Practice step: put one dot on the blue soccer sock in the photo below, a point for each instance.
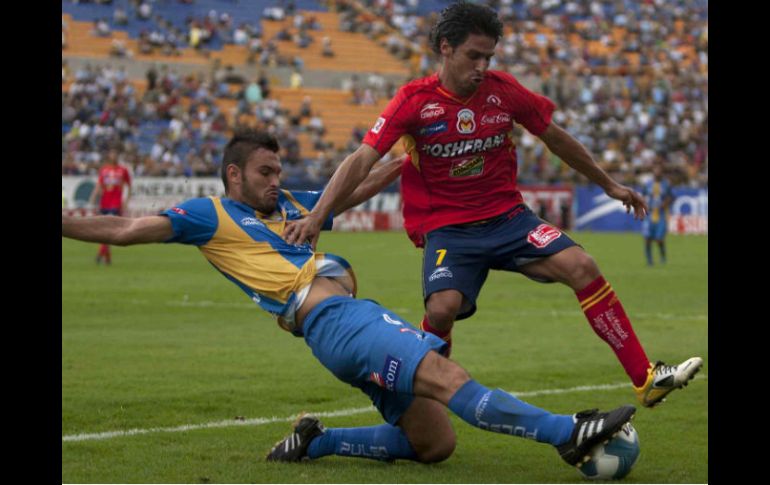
(648, 253)
(383, 442)
(501, 412)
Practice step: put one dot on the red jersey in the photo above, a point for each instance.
(112, 178)
(462, 163)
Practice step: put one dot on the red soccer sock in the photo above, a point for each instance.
(104, 250)
(444, 335)
(608, 319)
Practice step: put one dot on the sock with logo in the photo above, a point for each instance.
(608, 319)
(446, 336)
(383, 442)
(496, 410)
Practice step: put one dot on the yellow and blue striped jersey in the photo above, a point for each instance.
(247, 248)
(656, 194)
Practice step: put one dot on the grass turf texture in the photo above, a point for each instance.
(160, 339)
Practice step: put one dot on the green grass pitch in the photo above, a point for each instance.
(160, 340)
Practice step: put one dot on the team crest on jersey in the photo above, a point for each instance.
(378, 125)
(431, 110)
(467, 168)
(493, 99)
(466, 123)
(543, 235)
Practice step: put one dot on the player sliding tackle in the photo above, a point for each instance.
(362, 343)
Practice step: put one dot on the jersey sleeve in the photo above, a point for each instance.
(392, 123)
(193, 221)
(308, 200)
(531, 110)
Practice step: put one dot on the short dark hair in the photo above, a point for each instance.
(457, 21)
(241, 146)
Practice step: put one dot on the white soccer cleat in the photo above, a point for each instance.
(662, 379)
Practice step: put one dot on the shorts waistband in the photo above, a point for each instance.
(507, 215)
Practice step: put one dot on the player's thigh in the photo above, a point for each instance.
(362, 342)
(454, 259)
(539, 250)
(572, 266)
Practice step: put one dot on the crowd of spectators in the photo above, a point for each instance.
(173, 124)
(629, 77)
(630, 80)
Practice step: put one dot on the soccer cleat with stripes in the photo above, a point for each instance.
(662, 379)
(294, 447)
(591, 429)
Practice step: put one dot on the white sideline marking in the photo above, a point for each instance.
(322, 414)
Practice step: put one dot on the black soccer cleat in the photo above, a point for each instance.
(591, 429)
(294, 447)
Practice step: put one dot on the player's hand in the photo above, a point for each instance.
(302, 231)
(631, 200)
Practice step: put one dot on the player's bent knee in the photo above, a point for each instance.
(441, 317)
(442, 307)
(439, 449)
(582, 270)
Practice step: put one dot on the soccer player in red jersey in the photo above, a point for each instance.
(462, 203)
(109, 189)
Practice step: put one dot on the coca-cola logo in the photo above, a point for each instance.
(495, 119)
(543, 235)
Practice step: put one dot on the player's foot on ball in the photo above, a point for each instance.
(592, 428)
(662, 379)
(294, 447)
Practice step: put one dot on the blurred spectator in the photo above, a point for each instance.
(119, 16)
(144, 11)
(305, 107)
(295, 80)
(101, 28)
(326, 47)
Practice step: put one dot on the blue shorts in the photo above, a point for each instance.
(654, 230)
(109, 212)
(371, 348)
(459, 257)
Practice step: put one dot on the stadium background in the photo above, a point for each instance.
(165, 83)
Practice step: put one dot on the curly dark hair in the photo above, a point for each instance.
(242, 144)
(457, 21)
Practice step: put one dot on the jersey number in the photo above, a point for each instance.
(441, 254)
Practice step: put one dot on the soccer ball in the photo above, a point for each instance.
(615, 459)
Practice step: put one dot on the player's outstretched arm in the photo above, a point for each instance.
(119, 231)
(382, 175)
(574, 154)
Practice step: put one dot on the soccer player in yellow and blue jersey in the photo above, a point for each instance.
(362, 343)
(659, 197)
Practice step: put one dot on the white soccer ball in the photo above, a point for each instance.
(615, 459)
